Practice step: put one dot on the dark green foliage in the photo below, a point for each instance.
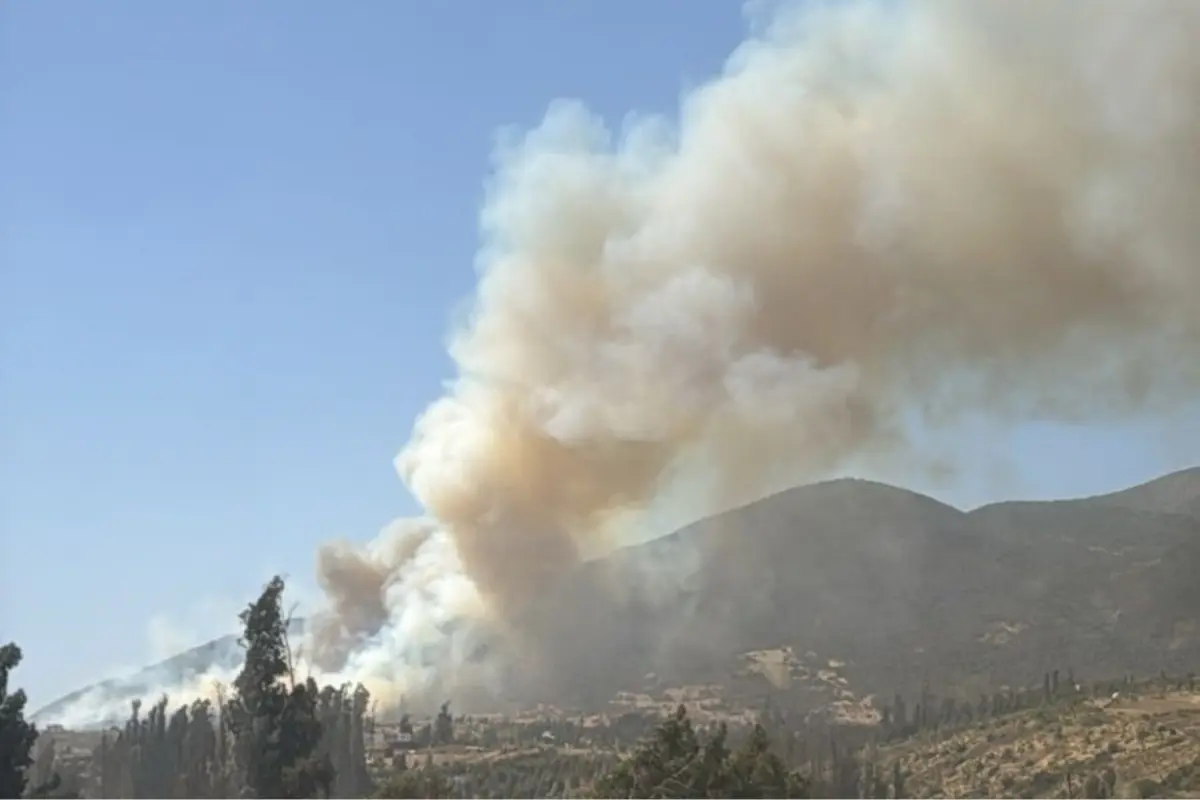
(260, 701)
(17, 742)
(157, 756)
(676, 762)
(194, 753)
(270, 738)
(17, 736)
(306, 772)
(275, 724)
(677, 759)
(530, 773)
(343, 717)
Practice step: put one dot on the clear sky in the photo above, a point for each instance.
(234, 235)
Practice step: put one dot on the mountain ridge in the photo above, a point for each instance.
(887, 579)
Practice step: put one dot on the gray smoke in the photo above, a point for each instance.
(937, 207)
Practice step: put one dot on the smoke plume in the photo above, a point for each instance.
(876, 210)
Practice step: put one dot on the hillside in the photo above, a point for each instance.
(895, 587)
(1114, 738)
(892, 587)
(1176, 493)
(223, 655)
(1142, 746)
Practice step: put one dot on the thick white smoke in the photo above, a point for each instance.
(936, 206)
(988, 206)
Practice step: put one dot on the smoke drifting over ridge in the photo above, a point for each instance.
(987, 207)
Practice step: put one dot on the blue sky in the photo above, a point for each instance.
(234, 235)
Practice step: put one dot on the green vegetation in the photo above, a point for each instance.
(16, 735)
(675, 762)
(272, 735)
(1109, 739)
(276, 737)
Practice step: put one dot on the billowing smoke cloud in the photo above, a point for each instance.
(938, 206)
(876, 210)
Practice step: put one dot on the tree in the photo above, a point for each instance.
(17, 736)
(674, 762)
(754, 771)
(270, 737)
(443, 726)
(275, 726)
(306, 772)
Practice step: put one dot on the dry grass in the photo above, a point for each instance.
(1144, 747)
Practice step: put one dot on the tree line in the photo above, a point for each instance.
(275, 736)
(783, 754)
(272, 735)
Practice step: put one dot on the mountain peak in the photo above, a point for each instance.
(1174, 493)
(901, 586)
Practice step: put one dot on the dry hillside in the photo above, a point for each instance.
(893, 587)
(1141, 746)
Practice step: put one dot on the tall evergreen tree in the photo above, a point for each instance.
(274, 722)
(17, 736)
